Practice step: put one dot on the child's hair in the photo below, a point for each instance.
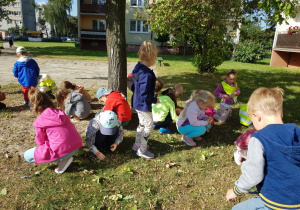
(147, 51)
(266, 100)
(158, 85)
(178, 90)
(61, 95)
(173, 98)
(68, 85)
(40, 101)
(200, 95)
(231, 71)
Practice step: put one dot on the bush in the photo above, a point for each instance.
(56, 39)
(249, 52)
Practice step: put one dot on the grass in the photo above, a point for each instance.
(180, 177)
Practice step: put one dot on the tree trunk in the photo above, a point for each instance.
(116, 45)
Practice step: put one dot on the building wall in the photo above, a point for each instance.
(86, 21)
(28, 11)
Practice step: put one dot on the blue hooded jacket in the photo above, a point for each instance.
(144, 87)
(280, 188)
(27, 71)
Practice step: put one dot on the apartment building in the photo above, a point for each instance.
(21, 13)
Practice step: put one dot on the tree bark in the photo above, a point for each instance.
(116, 45)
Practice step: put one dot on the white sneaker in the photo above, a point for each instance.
(237, 156)
(146, 154)
(136, 147)
(63, 165)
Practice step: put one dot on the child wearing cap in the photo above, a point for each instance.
(77, 88)
(27, 71)
(104, 132)
(47, 85)
(115, 101)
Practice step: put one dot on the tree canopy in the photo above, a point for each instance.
(3, 11)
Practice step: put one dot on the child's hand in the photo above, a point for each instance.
(157, 100)
(232, 95)
(209, 120)
(230, 195)
(100, 156)
(114, 146)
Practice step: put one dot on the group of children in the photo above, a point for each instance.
(271, 150)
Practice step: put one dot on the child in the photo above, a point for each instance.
(240, 154)
(73, 103)
(177, 90)
(104, 133)
(164, 112)
(115, 101)
(192, 121)
(244, 119)
(158, 86)
(228, 92)
(143, 97)
(273, 159)
(27, 71)
(77, 88)
(57, 138)
(47, 85)
(2, 98)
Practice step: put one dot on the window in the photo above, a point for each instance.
(17, 13)
(98, 2)
(139, 26)
(18, 22)
(99, 25)
(17, 4)
(9, 22)
(138, 3)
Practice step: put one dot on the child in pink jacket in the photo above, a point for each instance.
(57, 138)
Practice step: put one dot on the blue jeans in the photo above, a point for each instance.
(29, 155)
(193, 131)
(251, 204)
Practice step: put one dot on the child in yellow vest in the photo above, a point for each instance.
(228, 92)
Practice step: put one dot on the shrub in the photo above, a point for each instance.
(249, 52)
(56, 39)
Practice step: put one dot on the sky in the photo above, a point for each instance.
(74, 6)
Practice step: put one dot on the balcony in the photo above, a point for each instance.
(288, 41)
(91, 34)
(92, 8)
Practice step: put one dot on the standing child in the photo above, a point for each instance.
(273, 158)
(192, 121)
(73, 103)
(143, 97)
(115, 101)
(104, 133)
(57, 138)
(228, 92)
(27, 71)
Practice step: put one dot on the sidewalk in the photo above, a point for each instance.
(90, 74)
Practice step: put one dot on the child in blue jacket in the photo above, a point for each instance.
(273, 157)
(27, 71)
(143, 97)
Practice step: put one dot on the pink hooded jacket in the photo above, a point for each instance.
(56, 136)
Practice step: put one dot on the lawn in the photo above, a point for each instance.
(180, 177)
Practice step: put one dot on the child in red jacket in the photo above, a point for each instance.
(115, 101)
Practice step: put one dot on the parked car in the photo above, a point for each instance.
(63, 38)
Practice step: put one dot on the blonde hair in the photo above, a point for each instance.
(200, 95)
(178, 90)
(267, 100)
(147, 51)
(61, 95)
(40, 101)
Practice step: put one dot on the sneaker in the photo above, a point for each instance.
(63, 165)
(237, 156)
(198, 138)
(155, 127)
(75, 119)
(188, 141)
(136, 147)
(164, 130)
(145, 154)
(26, 102)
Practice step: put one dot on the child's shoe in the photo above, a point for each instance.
(145, 154)
(164, 130)
(26, 102)
(136, 147)
(188, 141)
(198, 138)
(237, 157)
(75, 119)
(63, 165)
(155, 127)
